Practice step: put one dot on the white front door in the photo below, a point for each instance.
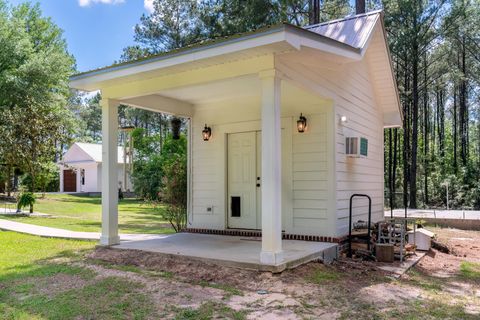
(244, 180)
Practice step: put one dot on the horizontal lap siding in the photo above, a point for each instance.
(310, 178)
(209, 158)
(207, 164)
(351, 88)
(359, 175)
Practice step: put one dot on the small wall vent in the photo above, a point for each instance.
(356, 147)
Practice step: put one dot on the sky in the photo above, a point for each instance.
(96, 30)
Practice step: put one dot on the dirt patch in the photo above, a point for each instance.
(165, 292)
(49, 286)
(463, 244)
(386, 293)
(185, 269)
(345, 289)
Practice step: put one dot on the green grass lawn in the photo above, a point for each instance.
(44, 278)
(32, 270)
(80, 213)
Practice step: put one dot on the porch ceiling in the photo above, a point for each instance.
(234, 88)
(181, 101)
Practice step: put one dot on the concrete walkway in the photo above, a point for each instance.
(67, 234)
(460, 219)
(436, 214)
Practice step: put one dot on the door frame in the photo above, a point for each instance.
(230, 219)
(287, 165)
(73, 173)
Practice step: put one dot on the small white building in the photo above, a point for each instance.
(81, 169)
(284, 125)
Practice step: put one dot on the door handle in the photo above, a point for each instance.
(258, 184)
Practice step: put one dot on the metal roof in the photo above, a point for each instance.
(353, 31)
(94, 151)
(208, 44)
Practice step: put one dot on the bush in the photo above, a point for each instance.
(174, 182)
(26, 199)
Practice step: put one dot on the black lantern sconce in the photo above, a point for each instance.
(301, 123)
(206, 133)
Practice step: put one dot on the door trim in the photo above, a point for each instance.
(248, 196)
(288, 123)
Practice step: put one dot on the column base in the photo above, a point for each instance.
(109, 241)
(271, 258)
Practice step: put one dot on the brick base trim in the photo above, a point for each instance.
(253, 233)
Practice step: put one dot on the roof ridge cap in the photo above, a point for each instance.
(351, 17)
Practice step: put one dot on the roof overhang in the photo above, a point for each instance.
(279, 38)
(74, 163)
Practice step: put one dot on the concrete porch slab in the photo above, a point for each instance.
(241, 252)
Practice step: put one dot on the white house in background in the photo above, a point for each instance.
(257, 171)
(81, 169)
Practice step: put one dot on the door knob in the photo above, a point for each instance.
(258, 184)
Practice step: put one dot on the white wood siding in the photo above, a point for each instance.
(308, 206)
(312, 212)
(350, 86)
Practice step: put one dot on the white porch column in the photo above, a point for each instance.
(271, 169)
(109, 173)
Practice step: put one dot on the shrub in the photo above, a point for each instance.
(26, 199)
(174, 183)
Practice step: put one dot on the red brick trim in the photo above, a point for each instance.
(254, 233)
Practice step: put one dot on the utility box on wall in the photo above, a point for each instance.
(356, 147)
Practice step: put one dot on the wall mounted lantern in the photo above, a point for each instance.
(301, 123)
(206, 133)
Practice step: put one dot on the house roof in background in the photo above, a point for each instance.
(94, 151)
(353, 31)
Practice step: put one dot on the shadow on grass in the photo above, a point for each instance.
(49, 266)
(31, 291)
(107, 298)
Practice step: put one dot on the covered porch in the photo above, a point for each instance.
(270, 106)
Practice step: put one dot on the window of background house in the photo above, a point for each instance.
(82, 177)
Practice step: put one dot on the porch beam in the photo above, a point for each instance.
(271, 169)
(158, 103)
(153, 85)
(109, 173)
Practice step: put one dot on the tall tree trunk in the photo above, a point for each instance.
(455, 133)
(394, 169)
(359, 6)
(9, 180)
(406, 141)
(390, 167)
(314, 12)
(413, 165)
(425, 135)
(441, 125)
(463, 107)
